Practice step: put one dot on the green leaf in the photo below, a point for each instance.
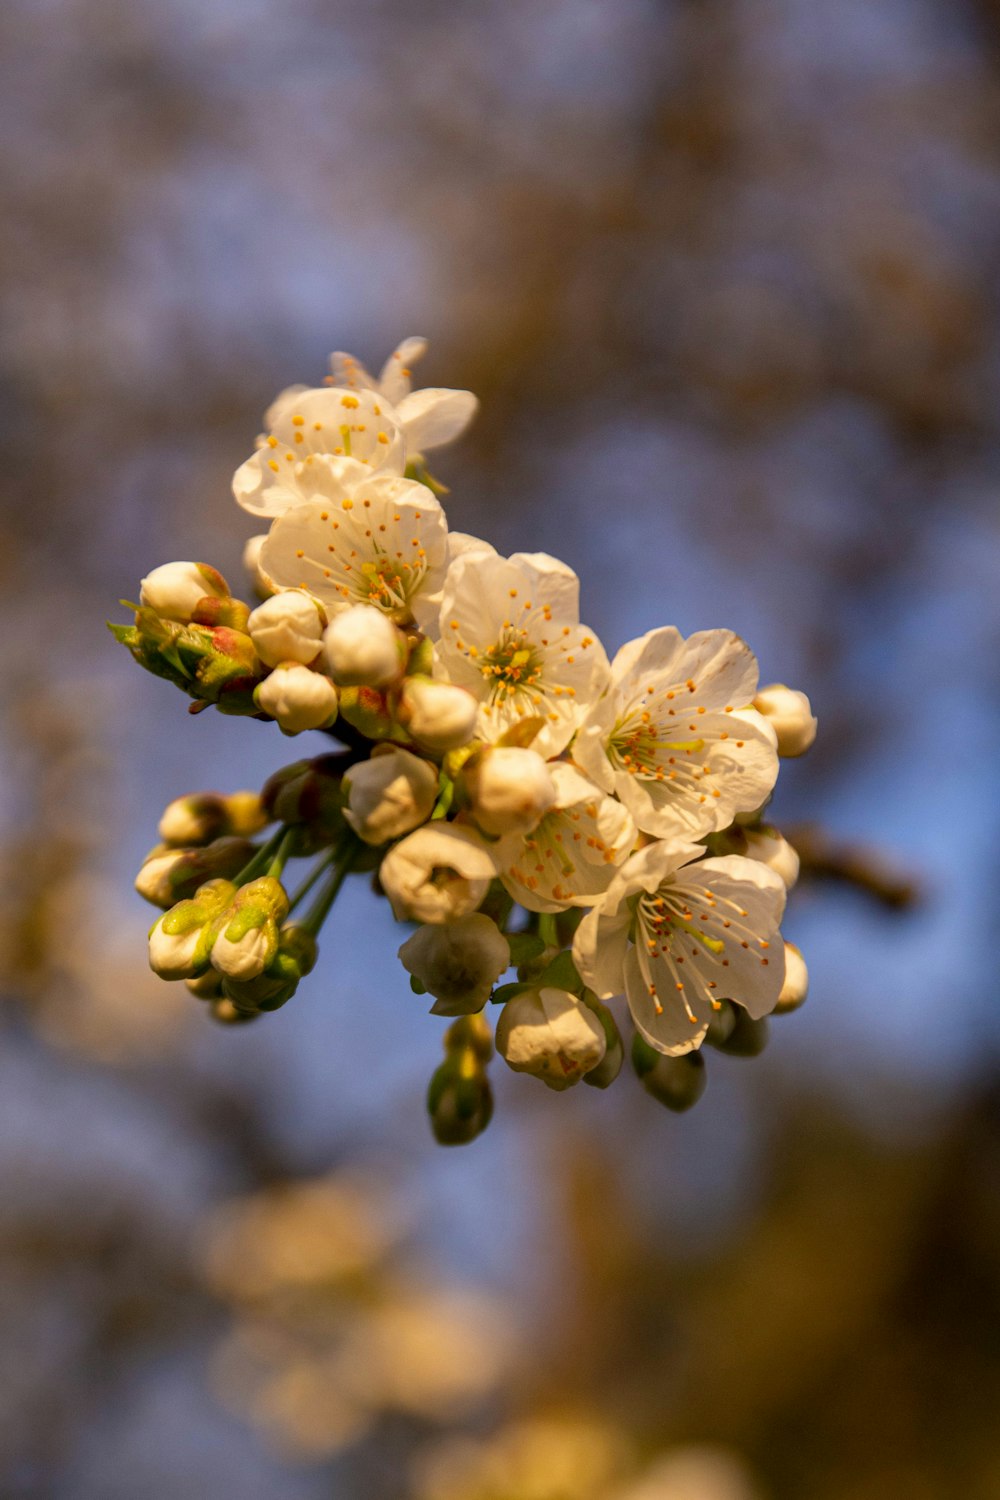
(507, 992)
(524, 946)
(416, 986)
(562, 974)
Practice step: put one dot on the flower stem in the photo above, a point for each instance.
(317, 914)
(263, 857)
(281, 854)
(547, 929)
(311, 879)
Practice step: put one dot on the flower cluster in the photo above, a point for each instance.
(594, 825)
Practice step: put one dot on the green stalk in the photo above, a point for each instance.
(281, 854)
(311, 879)
(260, 861)
(320, 909)
(547, 929)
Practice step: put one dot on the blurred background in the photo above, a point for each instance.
(725, 277)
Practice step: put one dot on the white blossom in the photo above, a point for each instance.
(796, 986)
(298, 698)
(390, 794)
(174, 590)
(552, 1034)
(431, 417)
(262, 585)
(319, 443)
(573, 855)
(457, 962)
(678, 937)
(364, 647)
(438, 873)
(790, 715)
(381, 543)
(438, 715)
(510, 789)
(509, 632)
(664, 739)
(287, 627)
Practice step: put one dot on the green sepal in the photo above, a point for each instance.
(525, 947)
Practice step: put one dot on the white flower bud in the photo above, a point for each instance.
(287, 627)
(364, 648)
(437, 714)
(173, 955)
(263, 587)
(790, 716)
(437, 873)
(176, 589)
(248, 956)
(796, 985)
(457, 962)
(552, 1034)
(510, 789)
(769, 847)
(390, 794)
(298, 698)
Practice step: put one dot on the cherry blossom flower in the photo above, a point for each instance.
(664, 739)
(510, 633)
(552, 1034)
(431, 417)
(575, 852)
(321, 444)
(679, 934)
(382, 544)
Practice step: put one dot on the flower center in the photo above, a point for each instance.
(511, 666)
(636, 746)
(388, 583)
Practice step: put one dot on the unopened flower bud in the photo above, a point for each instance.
(457, 962)
(552, 1034)
(796, 985)
(308, 795)
(204, 816)
(769, 847)
(790, 716)
(287, 627)
(368, 710)
(170, 875)
(227, 1014)
(438, 715)
(207, 986)
(389, 794)
(298, 698)
(510, 790)
(245, 934)
(363, 646)
(437, 873)
(262, 585)
(180, 941)
(212, 611)
(677, 1082)
(176, 589)
(227, 671)
(459, 1099)
(744, 1038)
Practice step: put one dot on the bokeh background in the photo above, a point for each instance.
(725, 277)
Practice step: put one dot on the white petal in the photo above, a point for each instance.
(552, 580)
(433, 417)
(599, 951)
(664, 1020)
(394, 381)
(350, 372)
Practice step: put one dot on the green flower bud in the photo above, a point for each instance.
(207, 986)
(748, 1037)
(227, 1014)
(470, 1033)
(171, 875)
(307, 796)
(610, 1066)
(367, 710)
(295, 957)
(677, 1082)
(459, 1099)
(231, 612)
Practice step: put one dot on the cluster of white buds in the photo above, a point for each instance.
(589, 826)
